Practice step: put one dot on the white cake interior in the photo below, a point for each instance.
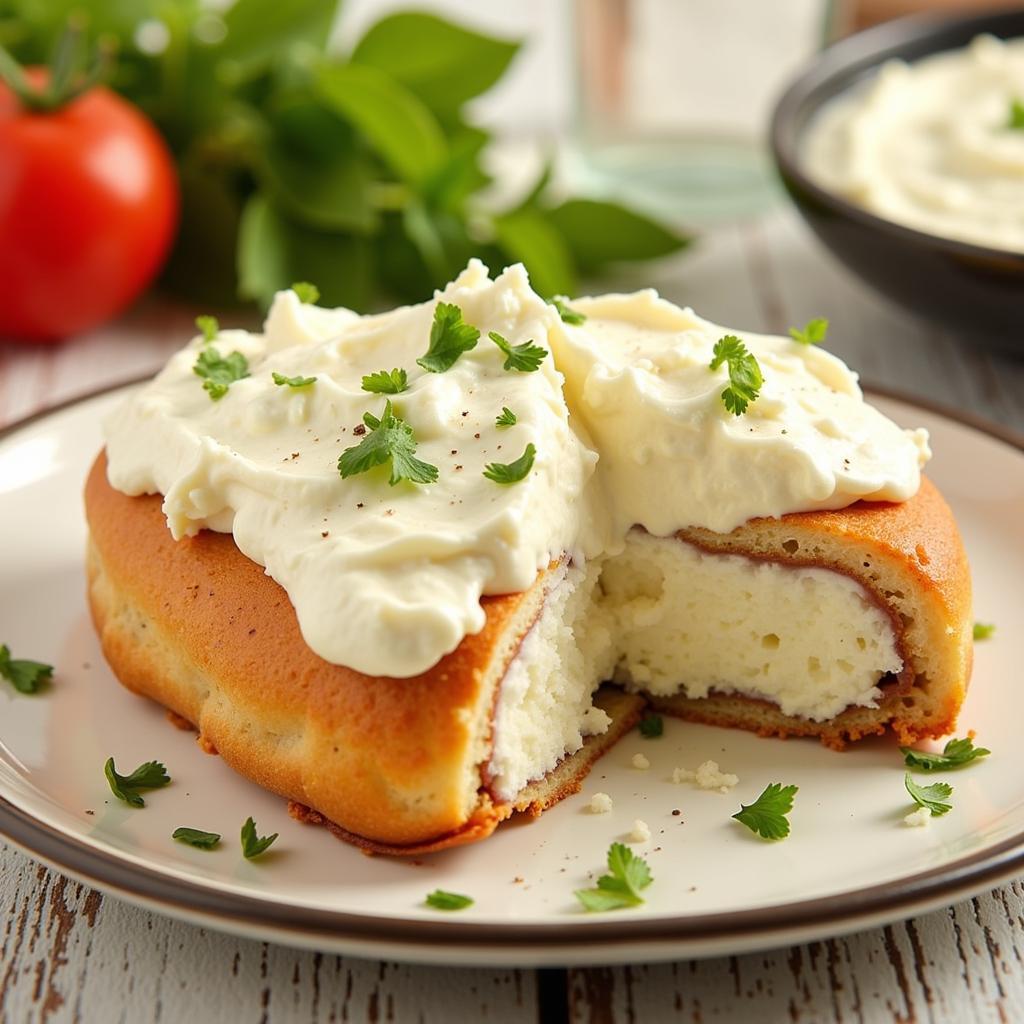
(666, 618)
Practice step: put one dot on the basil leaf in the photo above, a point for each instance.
(392, 119)
(598, 233)
(442, 63)
(528, 236)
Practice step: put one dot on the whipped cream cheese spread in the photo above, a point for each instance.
(931, 145)
(624, 413)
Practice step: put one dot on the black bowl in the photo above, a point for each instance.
(974, 289)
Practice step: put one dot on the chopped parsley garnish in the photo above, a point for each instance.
(252, 844)
(933, 797)
(511, 472)
(208, 327)
(385, 382)
(196, 837)
(954, 754)
(149, 775)
(525, 358)
(441, 900)
(812, 333)
(767, 814)
(24, 675)
(568, 315)
(745, 378)
(293, 382)
(1016, 118)
(450, 336)
(390, 439)
(651, 726)
(307, 293)
(220, 373)
(507, 418)
(983, 630)
(627, 876)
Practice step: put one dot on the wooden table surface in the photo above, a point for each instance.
(71, 954)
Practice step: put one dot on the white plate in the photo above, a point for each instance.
(849, 863)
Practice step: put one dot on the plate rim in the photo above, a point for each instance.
(753, 928)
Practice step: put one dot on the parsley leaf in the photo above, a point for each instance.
(252, 844)
(507, 418)
(651, 726)
(745, 378)
(24, 675)
(511, 472)
(933, 797)
(149, 775)
(767, 814)
(208, 327)
(441, 900)
(1016, 118)
(628, 876)
(569, 316)
(293, 382)
(220, 373)
(525, 358)
(450, 336)
(196, 837)
(390, 439)
(307, 293)
(955, 754)
(812, 333)
(983, 630)
(384, 382)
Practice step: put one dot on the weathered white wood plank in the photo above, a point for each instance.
(69, 954)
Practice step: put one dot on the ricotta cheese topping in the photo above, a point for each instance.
(930, 145)
(624, 413)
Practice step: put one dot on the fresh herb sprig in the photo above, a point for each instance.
(745, 378)
(651, 726)
(439, 899)
(524, 358)
(567, 313)
(386, 382)
(252, 844)
(767, 814)
(628, 875)
(1015, 121)
(293, 382)
(955, 754)
(219, 372)
(812, 333)
(450, 337)
(983, 630)
(196, 837)
(307, 293)
(934, 797)
(209, 327)
(24, 675)
(390, 439)
(512, 472)
(149, 775)
(507, 418)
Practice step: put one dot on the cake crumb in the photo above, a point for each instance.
(641, 762)
(919, 818)
(600, 803)
(641, 833)
(707, 776)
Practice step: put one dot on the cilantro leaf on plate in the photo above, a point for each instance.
(450, 336)
(955, 754)
(983, 630)
(767, 814)
(149, 775)
(628, 875)
(933, 797)
(386, 382)
(196, 837)
(252, 844)
(651, 726)
(24, 675)
(441, 900)
(526, 358)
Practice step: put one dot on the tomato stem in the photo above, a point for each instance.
(65, 82)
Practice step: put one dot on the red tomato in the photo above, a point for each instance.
(88, 208)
